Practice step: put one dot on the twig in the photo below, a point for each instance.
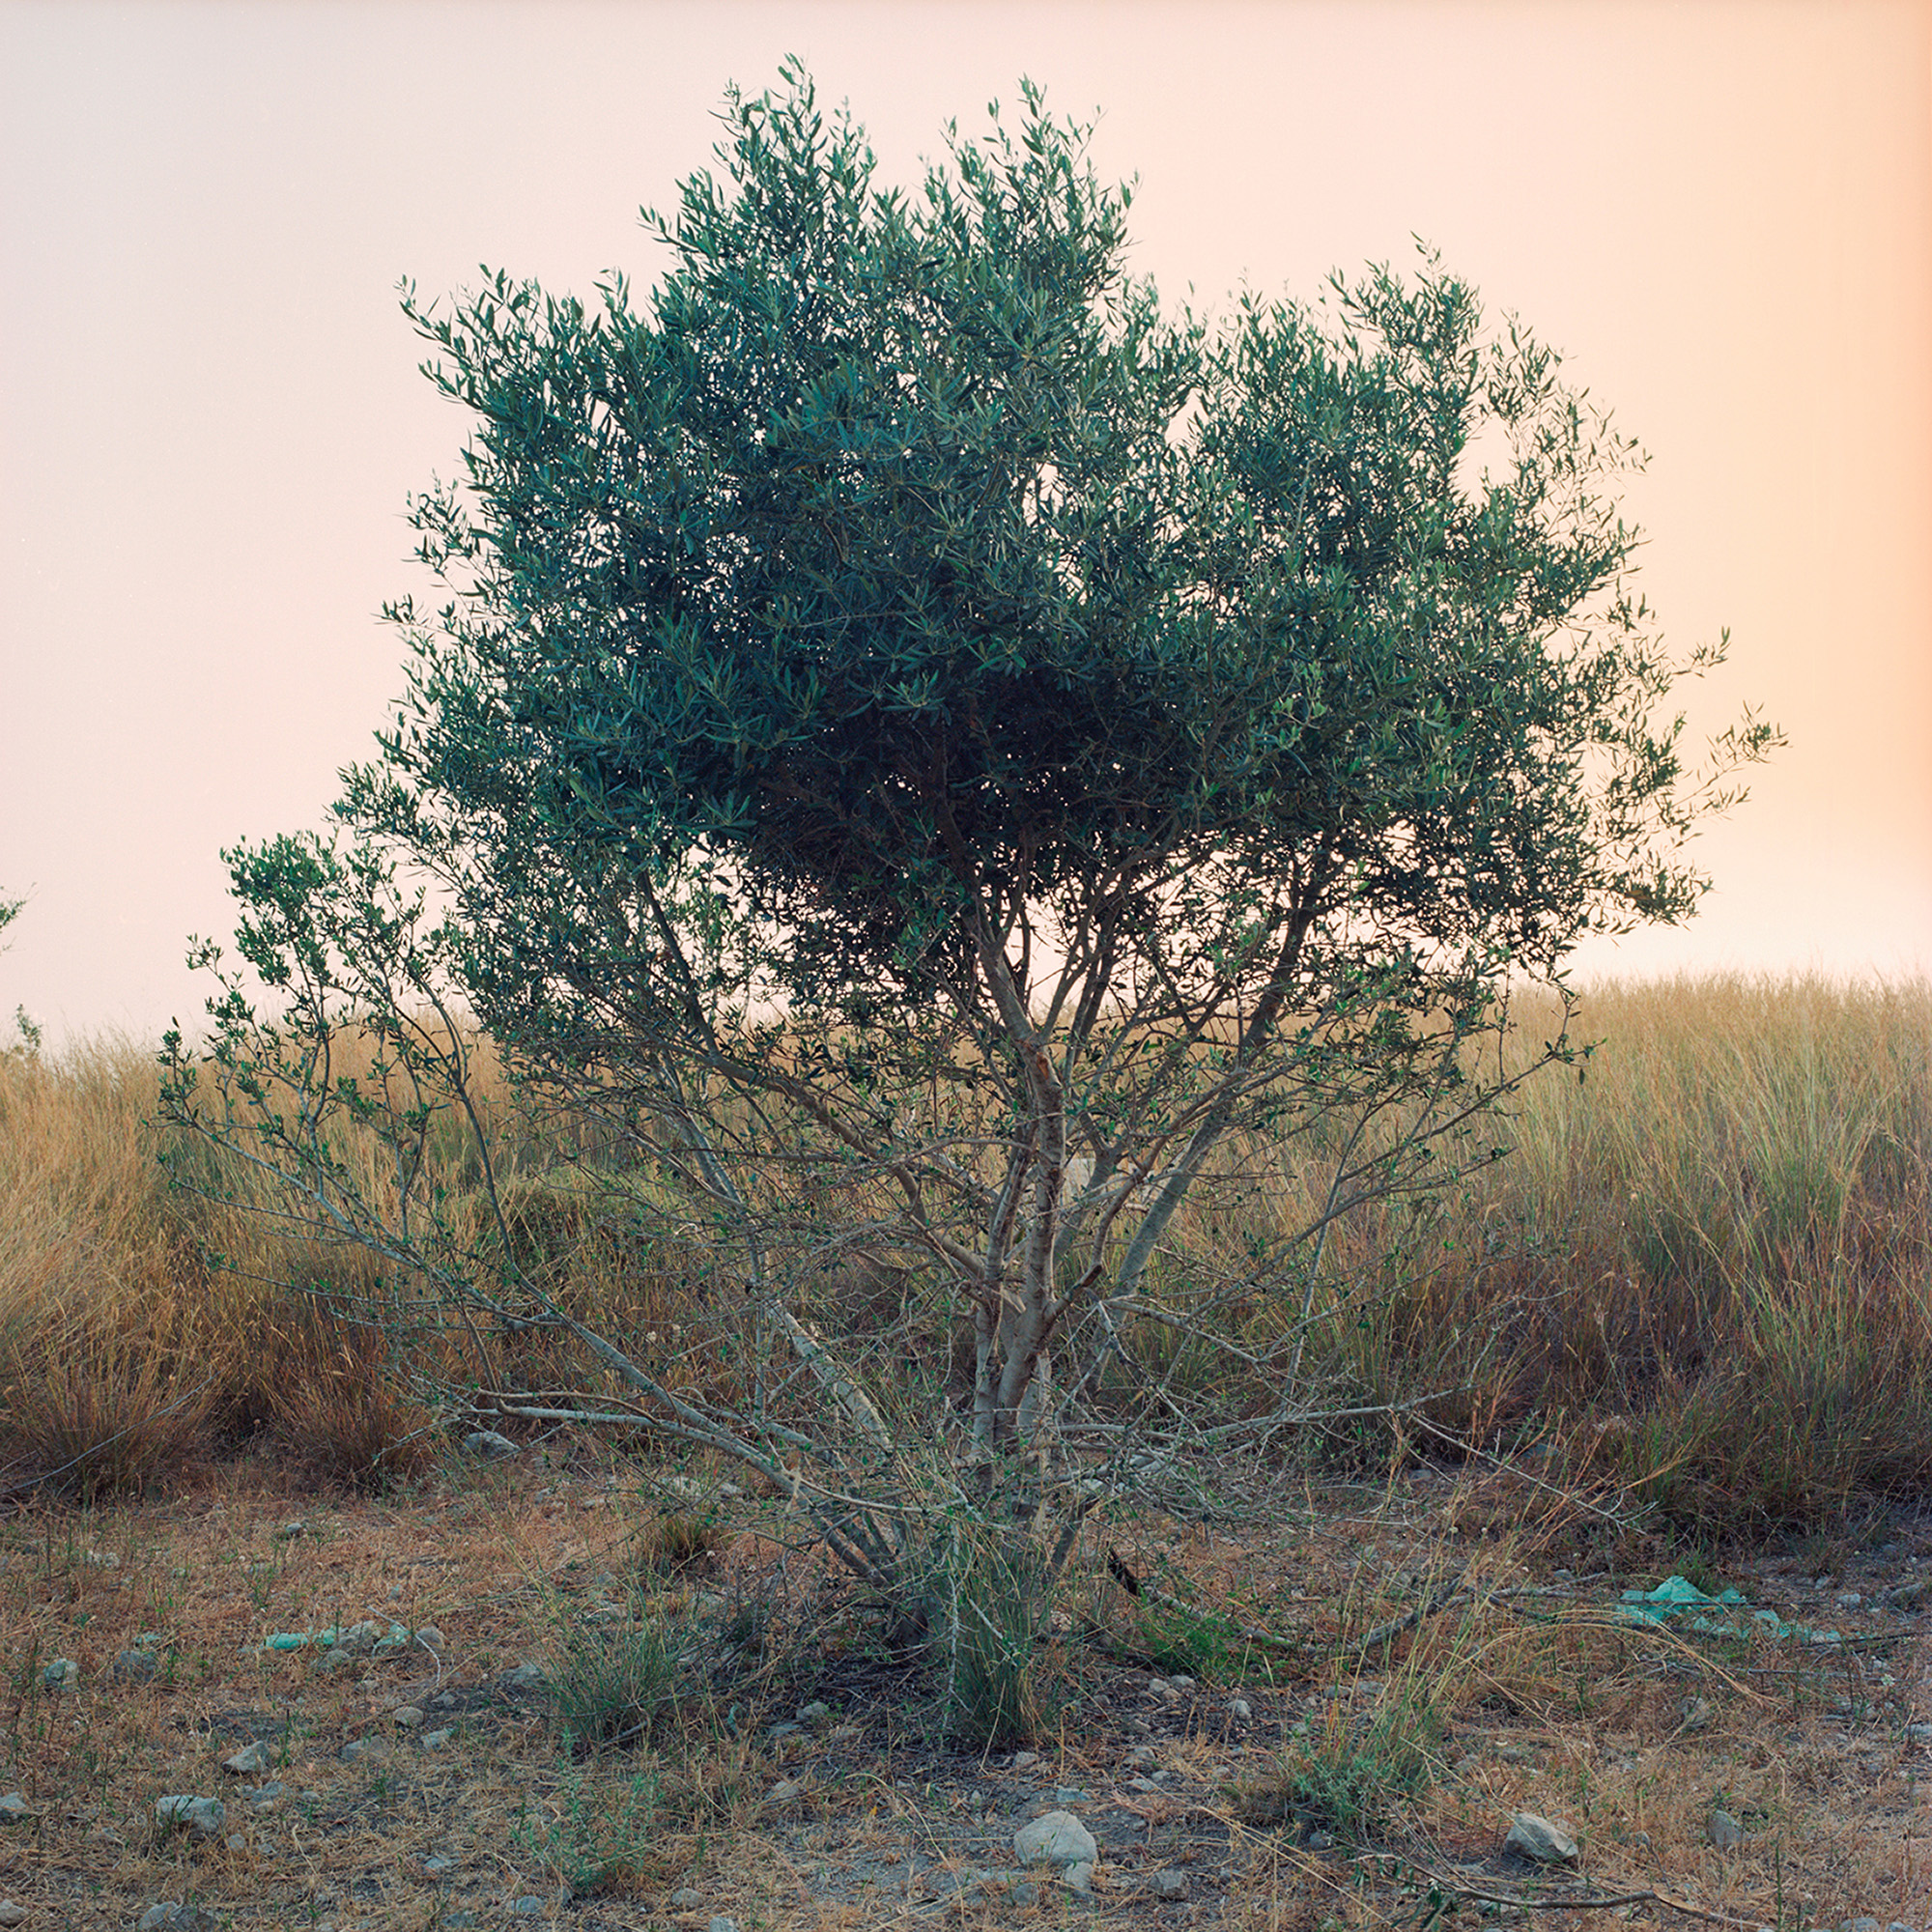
(1592, 1902)
(1385, 1633)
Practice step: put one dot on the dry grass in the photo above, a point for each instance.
(1701, 1289)
(1361, 1777)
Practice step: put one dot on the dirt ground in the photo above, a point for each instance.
(1282, 1707)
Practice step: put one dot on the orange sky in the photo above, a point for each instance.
(209, 416)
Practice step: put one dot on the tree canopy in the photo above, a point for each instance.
(938, 748)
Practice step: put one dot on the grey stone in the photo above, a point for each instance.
(15, 1810)
(1727, 1833)
(1023, 1761)
(1170, 1885)
(436, 1865)
(529, 1906)
(171, 1915)
(11, 1914)
(245, 1761)
(407, 1715)
(722, 1923)
(1860, 1925)
(61, 1672)
(524, 1677)
(684, 1898)
(1080, 1877)
(1058, 1839)
(486, 1446)
(815, 1713)
(1532, 1837)
(287, 1532)
(1240, 1710)
(365, 1750)
(786, 1791)
(205, 1817)
(134, 1666)
(435, 1740)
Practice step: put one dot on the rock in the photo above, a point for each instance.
(1240, 1710)
(1535, 1837)
(1023, 1761)
(435, 1740)
(684, 1899)
(721, 1923)
(486, 1446)
(429, 1636)
(134, 1666)
(1080, 1877)
(245, 1761)
(407, 1715)
(205, 1817)
(786, 1791)
(436, 1865)
(287, 1532)
(365, 1750)
(1727, 1833)
(1170, 1885)
(171, 1915)
(61, 1672)
(529, 1906)
(1860, 1925)
(1058, 1839)
(813, 1713)
(11, 1914)
(524, 1677)
(15, 1810)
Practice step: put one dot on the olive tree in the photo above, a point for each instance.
(947, 759)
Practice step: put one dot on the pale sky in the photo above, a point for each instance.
(211, 417)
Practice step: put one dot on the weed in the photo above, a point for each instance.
(614, 1683)
(989, 1609)
(1347, 1772)
(605, 1836)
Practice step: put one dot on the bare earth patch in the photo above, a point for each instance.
(1295, 1708)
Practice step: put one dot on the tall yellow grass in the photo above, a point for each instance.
(1705, 1270)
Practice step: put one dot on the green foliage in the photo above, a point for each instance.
(925, 749)
(990, 1609)
(599, 1838)
(613, 1682)
(1346, 1775)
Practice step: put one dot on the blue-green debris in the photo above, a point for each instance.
(1673, 1600)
